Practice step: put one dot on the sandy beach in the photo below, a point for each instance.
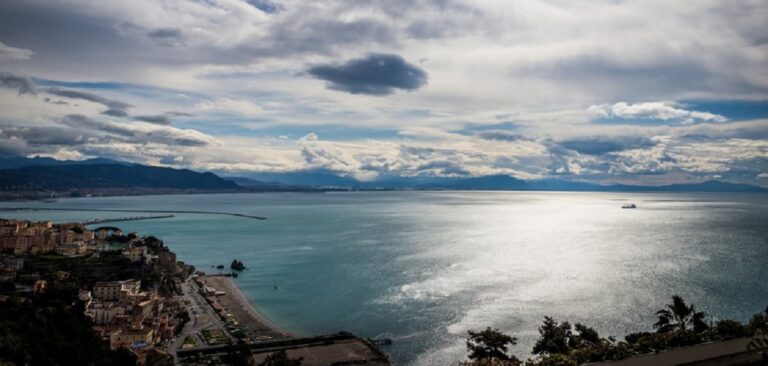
(235, 302)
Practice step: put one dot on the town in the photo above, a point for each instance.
(147, 306)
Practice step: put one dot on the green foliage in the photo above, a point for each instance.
(759, 323)
(584, 337)
(48, 330)
(492, 362)
(280, 358)
(679, 325)
(553, 337)
(678, 315)
(489, 344)
(729, 329)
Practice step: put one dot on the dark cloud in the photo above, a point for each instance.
(604, 145)
(114, 108)
(375, 74)
(23, 84)
(81, 121)
(444, 167)
(167, 36)
(128, 133)
(160, 119)
(179, 114)
(501, 136)
(51, 101)
(44, 135)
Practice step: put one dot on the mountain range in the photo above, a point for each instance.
(47, 174)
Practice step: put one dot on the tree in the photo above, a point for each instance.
(489, 344)
(759, 323)
(679, 315)
(47, 329)
(729, 329)
(280, 358)
(585, 337)
(240, 355)
(554, 337)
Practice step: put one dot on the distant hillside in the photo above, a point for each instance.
(80, 176)
(320, 178)
(41, 174)
(21, 162)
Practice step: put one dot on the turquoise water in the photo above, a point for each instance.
(422, 268)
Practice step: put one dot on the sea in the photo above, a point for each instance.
(423, 268)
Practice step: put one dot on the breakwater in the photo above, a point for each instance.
(132, 218)
(138, 211)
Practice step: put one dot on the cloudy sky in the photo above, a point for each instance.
(648, 92)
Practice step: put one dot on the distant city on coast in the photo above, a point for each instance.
(410, 183)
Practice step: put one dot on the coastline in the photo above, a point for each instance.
(243, 310)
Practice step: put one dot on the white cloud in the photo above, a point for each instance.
(8, 53)
(229, 105)
(665, 111)
(309, 137)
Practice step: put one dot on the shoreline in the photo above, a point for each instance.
(243, 310)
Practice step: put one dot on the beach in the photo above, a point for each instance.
(257, 326)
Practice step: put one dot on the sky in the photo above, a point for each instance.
(637, 92)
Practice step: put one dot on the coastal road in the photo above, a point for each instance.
(201, 316)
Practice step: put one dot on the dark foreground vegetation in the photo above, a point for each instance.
(562, 344)
(50, 329)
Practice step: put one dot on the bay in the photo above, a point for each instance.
(422, 268)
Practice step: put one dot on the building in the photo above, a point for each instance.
(102, 313)
(125, 292)
(21, 244)
(7, 274)
(145, 308)
(86, 297)
(136, 254)
(107, 291)
(62, 275)
(9, 227)
(9, 261)
(40, 286)
(131, 337)
(71, 249)
(103, 233)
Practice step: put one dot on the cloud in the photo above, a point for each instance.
(375, 74)
(44, 135)
(501, 136)
(603, 145)
(114, 108)
(664, 111)
(140, 133)
(8, 53)
(762, 176)
(22, 84)
(167, 36)
(160, 119)
(309, 137)
(230, 105)
(443, 168)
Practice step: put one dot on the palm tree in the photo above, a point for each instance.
(679, 315)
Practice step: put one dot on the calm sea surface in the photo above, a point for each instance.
(422, 268)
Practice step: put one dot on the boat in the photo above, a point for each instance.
(628, 205)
